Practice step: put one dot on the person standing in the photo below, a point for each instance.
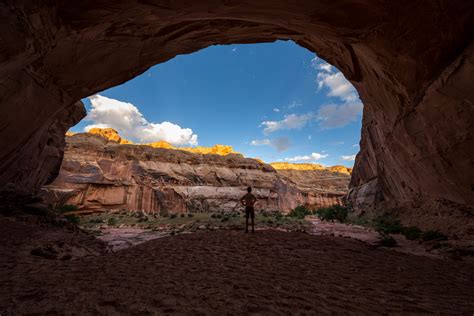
(248, 200)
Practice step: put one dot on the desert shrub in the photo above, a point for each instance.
(225, 218)
(183, 215)
(95, 221)
(433, 235)
(388, 241)
(299, 212)
(387, 224)
(67, 208)
(173, 216)
(331, 213)
(112, 221)
(73, 219)
(278, 215)
(411, 233)
(190, 215)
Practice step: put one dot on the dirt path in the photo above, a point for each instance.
(228, 272)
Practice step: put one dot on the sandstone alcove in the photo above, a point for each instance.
(412, 64)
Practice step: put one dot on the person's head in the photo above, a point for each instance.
(249, 189)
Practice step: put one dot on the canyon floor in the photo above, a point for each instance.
(225, 272)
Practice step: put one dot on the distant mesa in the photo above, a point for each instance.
(340, 169)
(112, 135)
(309, 166)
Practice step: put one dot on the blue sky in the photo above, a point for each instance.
(275, 101)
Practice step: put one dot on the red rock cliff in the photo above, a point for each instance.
(98, 173)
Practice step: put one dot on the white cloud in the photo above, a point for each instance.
(338, 115)
(338, 86)
(349, 158)
(332, 79)
(276, 110)
(320, 64)
(294, 104)
(312, 157)
(280, 143)
(260, 142)
(130, 123)
(355, 145)
(292, 121)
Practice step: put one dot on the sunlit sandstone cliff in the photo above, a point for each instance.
(112, 134)
(98, 173)
(309, 166)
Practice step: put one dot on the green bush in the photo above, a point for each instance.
(112, 221)
(183, 215)
(331, 213)
(388, 241)
(299, 212)
(73, 219)
(387, 224)
(173, 216)
(67, 208)
(411, 233)
(190, 215)
(433, 235)
(278, 216)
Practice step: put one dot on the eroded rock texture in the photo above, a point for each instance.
(411, 61)
(97, 173)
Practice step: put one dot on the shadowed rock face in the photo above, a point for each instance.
(411, 62)
(101, 174)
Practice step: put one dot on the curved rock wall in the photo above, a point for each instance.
(411, 62)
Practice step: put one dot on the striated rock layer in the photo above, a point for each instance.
(98, 173)
(412, 63)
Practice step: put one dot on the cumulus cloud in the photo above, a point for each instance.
(339, 115)
(130, 123)
(332, 79)
(280, 143)
(349, 158)
(276, 110)
(312, 157)
(337, 86)
(291, 121)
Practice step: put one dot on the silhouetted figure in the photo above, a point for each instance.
(248, 200)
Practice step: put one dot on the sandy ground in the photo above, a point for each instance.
(227, 272)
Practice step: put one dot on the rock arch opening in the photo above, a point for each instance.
(288, 120)
(416, 148)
